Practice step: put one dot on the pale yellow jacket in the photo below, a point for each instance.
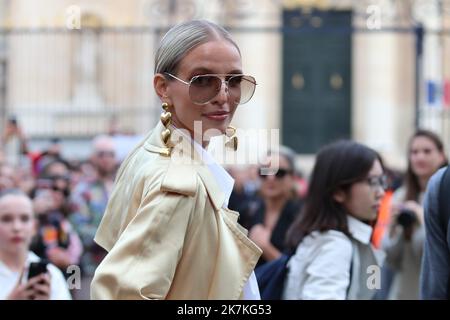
(166, 233)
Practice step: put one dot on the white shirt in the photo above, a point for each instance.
(226, 183)
(9, 278)
(320, 267)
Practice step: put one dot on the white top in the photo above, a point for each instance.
(226, 183)
(320, 267)
(9, 278)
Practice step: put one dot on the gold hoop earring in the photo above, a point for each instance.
(232, 143)
(166, 119)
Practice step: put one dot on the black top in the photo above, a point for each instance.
(256, 213)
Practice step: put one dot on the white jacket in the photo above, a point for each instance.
(330, 265)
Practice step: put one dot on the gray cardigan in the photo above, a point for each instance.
(436, 259)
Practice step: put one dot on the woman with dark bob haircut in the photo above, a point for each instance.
(333, 256)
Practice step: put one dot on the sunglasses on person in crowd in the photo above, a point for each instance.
(281, 173)
(205, 87)
(102, 154)
(50, 184)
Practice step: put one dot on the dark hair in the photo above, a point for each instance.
(287, 153)
(45, 170)
(337, 167)
(411, 180)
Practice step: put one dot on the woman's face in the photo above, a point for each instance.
(279, 184)
(59, 173)
(424, 157)
(17, 224)
(213, 57)
(363, 198)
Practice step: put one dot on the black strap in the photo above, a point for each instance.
(444, 210)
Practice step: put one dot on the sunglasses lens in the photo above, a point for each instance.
(281, 173)
(242, 88)
(204, 88)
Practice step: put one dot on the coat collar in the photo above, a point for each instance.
(359, 230)
(184, 156)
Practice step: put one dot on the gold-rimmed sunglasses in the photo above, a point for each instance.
(205, 87)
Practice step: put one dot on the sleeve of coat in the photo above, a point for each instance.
(435, 271)
(141, 265)
(328, 275)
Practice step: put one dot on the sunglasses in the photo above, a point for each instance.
(102, 154)
(49, 184)
(204, 88)
(281, 173)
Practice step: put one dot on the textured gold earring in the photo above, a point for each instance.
(232, 143)
(166, 119)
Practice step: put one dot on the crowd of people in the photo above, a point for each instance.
(65, 201)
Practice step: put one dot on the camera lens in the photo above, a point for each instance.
(406, 218)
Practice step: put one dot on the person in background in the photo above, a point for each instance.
(403, 242)
(14, 142)
(435, 273)
(17, 226)
(56, 239)
(331, 235)
(8, 178)
(90, 198)
(244, 193)
(277, 207)
(39, 160)
(394, 181)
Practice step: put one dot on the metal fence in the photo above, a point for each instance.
(80, 83)
(77, 83)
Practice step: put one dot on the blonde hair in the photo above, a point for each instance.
(182, 38)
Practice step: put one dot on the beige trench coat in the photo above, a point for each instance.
(166, 233)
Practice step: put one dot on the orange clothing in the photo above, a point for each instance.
(384, 217)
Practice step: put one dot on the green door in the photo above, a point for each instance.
(316, 79)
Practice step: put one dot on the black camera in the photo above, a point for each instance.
(406, 218)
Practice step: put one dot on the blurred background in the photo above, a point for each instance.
(372, 71)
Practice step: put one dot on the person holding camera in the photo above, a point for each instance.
(56, 239)
(23, 275)
(14, 142)
(404, 241)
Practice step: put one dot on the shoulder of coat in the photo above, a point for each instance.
(180, 178)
